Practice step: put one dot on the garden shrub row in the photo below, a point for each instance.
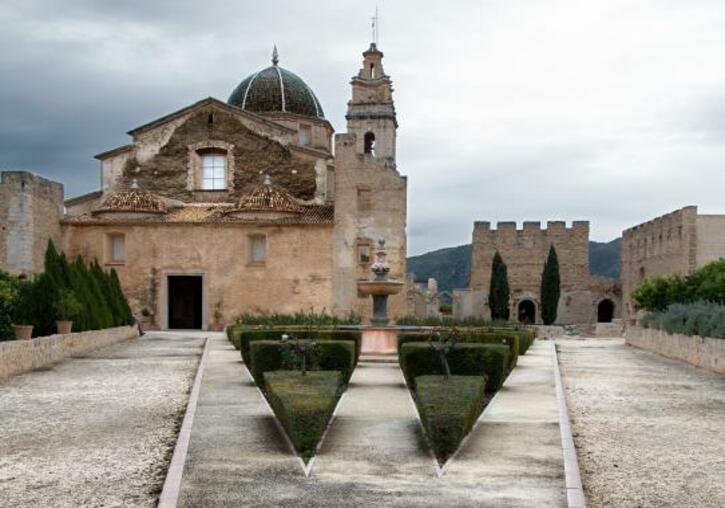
(241, 337)
(705, 319)
(467, 359)
(302, 319)
(467, 322)
(303, 404)
(273, 355)
(448, 409)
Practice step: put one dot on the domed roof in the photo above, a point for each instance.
(275, 89)
(267, 198)
(133, 200)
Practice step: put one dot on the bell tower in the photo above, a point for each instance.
(371, 112)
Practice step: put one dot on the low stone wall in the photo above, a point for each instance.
(613, 329)
(18, 356)
(549, 332)
(702, 352)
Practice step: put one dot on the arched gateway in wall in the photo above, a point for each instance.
(526, 312)
(605, 311)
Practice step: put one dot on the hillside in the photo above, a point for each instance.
(451, 267)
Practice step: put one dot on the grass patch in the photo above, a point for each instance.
(303, 404)
(448, 409)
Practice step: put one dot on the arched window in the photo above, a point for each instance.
(372, 71)
(370, 143)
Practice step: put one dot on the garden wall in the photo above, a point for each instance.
(701, 352)
(18, 356)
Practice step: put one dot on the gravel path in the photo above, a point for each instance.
(97, 430)
(648, 430)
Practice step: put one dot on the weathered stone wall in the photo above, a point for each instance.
(297, 274)
(31, 208)
(704, 352)
(18, 356)
(674, 244)
(525, 251)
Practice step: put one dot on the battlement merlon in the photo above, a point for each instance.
(26, 182)
(531, 226)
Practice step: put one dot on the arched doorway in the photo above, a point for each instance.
(605, 311)
(527, 312)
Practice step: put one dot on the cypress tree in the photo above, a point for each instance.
(126, 314)
(550, 288)
(87, 320)
(498, 295)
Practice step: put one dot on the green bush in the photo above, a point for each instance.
(705, 319)
(249, 335)
(550, 288)
(303, 404)
(272, 355)
(305, 319)
(498, 294)
(448, 409)
(489, 360)
(704, 284)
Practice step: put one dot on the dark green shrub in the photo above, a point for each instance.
(303, 319)
(271, 355)
(704, 284)
(448, 409)
(550, 288)
(705, 319)
(234, 334)
(489, 360)
(248, 335)
(498, 299)
(303, 405)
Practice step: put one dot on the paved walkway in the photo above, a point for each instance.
(97, 430)
(648, 430)
(374, 453)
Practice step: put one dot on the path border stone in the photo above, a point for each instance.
(172, 484)
(574, 490)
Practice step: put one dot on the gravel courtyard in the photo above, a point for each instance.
(648, 430)
(97, 430)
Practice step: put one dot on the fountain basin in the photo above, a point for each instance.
(379, 287)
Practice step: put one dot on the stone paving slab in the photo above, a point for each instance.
(97, 430)
(374, 453)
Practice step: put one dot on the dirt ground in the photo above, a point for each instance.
(97, 430)
(648, 430)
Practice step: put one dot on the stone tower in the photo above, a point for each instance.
(370, 193)
(31, 209)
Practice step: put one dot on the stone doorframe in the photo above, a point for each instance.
(163, 299)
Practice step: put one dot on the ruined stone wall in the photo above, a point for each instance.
(710, 238)
(370, 203)
(666, 245)
(31, 208)
(297, 274)
(525, 251)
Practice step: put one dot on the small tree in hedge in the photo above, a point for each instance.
(498, 296)
(550, 288)
(300, 350)
(443, 345)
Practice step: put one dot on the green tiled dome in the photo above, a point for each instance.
(275, 89)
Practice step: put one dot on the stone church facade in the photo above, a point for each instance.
(221, 208)
(585, 299)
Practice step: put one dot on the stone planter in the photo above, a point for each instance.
(64, 327)
(23, 332)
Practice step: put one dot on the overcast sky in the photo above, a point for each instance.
(609, 111)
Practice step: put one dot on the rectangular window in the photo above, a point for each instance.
(305, 135)
(116, 248)
(363, 253)
(214, 167)
(258, 249)
(364, 199)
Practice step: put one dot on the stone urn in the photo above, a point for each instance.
(64, 327)
(23, 332)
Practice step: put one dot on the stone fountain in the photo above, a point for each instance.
(378, 338)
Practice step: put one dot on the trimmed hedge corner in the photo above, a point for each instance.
(448, 409)
(489, 360)
(303, 404)
(269, 355)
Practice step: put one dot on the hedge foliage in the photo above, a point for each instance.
(305, 319)
(81, 292)
(448, 409)
(705, 319)
(704, 284)
(550, 288)
(241, 336)
(303, 404)
(450, 321)
(273, 355)
(498, 294)
(489, 360)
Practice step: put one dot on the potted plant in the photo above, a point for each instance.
(66, 308)
(21, 311)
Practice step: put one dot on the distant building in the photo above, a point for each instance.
(674, 244)
(584, 299)
(423, 298)
(221, 208)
